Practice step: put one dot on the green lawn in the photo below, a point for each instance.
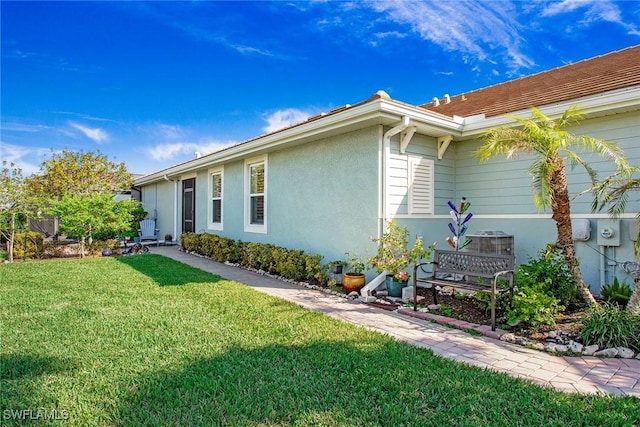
(145, 340)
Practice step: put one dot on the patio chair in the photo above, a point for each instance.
(148, 230)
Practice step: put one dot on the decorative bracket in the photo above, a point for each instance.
(443, 144)
(405, 138)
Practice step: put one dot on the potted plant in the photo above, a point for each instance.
(337, 266)
(168, 238)
(354, 279)
(395, 257)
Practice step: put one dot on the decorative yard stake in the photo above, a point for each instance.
(459, 226)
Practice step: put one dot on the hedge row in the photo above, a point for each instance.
(288, 263)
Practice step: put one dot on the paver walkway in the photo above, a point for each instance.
(570, 374)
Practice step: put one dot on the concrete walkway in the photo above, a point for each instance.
(569, 374)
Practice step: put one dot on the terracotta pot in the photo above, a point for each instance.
(352, 282)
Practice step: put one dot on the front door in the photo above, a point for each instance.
(189, 205)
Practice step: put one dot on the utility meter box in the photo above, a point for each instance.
(608, 232)
(581, 229)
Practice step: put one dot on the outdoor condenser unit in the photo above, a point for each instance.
(491, 242)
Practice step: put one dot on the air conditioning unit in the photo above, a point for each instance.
(491, 242)
(581, 229)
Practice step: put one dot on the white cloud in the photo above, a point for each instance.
(462, 27)
(96, 134)
(22, 127)
(594, 11)
(172, 150)
(26, 158)
(284, 118)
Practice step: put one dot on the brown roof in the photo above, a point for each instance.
(600, 74)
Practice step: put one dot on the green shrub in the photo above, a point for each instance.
(532, 305)
(288, 263)
(34, 245)
(483, 300)
(616, 293)
(189, 241)
(608, 325)
(97, 246)
(551, 270)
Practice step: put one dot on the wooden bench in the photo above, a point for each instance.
(468, 270)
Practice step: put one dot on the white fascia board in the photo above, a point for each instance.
(627, 99)
(379, 111)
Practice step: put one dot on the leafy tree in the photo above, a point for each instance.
(552, 145)
(15, 204)
(82, 215)
(79, 173)
(613, 192)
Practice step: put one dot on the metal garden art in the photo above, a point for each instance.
(459, 226)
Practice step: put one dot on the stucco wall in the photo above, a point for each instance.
(158, 200)
(322, 197)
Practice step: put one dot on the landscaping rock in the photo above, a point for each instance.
(607, 352)
(553, 347)
(368, 299)
(625, 353)
(508, 337)
(434, 307)
(575, 347)
(590, 350)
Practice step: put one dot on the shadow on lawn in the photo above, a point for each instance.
(166, 271)
(18, 374)
(280, 385)
(338, 383)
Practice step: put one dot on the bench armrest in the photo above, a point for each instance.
(497, 275)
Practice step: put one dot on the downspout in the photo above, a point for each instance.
(175, 205)
(386, 153)
(383, 173)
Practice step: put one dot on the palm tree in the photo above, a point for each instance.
(552, 145)
(614, 192)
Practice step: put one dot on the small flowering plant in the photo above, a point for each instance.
(394, 255)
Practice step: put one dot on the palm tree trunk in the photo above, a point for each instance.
(634, 302)
(561, 207)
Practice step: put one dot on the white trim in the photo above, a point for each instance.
(388, 113)
(219, 226)
(513, 216)
(248, 226)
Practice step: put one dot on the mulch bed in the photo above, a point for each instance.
(472, 311)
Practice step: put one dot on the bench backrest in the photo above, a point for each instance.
(472, 263)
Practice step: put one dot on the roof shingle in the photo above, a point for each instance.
(616, 70)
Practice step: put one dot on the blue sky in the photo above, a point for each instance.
(151, 83)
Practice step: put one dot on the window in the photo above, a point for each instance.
(215, 191)
(255, 210)
(420, 186)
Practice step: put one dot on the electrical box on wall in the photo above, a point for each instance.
(581, 229)
(608, 232)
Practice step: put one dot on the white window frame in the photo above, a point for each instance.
(248, 164)
(210, 223)
(422, 186)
